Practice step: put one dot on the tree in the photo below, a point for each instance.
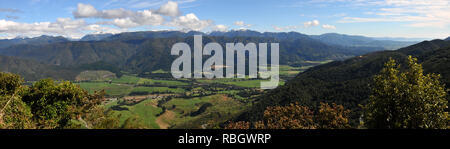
(292, 116)
(332, 117)
(54, 105)
(47, 104)
(14, 113)
(295, 116)
(406, 99)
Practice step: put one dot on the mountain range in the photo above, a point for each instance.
(44, 39)
(360, 41)
(140, 52)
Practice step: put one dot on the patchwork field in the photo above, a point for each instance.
(161, 103)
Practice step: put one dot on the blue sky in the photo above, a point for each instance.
(375, 18)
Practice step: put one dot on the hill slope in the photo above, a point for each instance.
(347, 82)
(33, 70)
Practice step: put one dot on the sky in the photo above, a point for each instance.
(374, 18)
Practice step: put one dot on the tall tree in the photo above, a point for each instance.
(406, 98)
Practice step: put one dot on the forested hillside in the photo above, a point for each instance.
(348, 82)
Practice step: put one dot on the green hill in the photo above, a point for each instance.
(347, 82)
(33, 70)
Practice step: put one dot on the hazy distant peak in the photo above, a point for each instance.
(95, 37)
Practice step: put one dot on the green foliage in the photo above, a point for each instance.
(9, 83)
(98, 118)
(406, 99)
(53, 105)
(14, 113)
(49, 105)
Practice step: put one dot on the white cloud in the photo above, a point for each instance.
(239, 23)
(190, 22)
(221, 28)
(242, 24)
(124, 23)
(66, 27)
(85, 11)
(418, 13)
(109, 21)
(311, 23)
(285, 28)
(97, 29)
(123, 18)
(327, 26)
(62, 26)
(169, 9)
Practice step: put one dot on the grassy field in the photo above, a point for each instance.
(120, 90)
(179, 110)
(146, 111)
(222, 109)
(98, 75)
(145, 81)
(110, 89)
(190, 103)
(126, 79)
(158, 89)
(236, 82)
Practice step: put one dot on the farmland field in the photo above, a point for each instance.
(178, 103)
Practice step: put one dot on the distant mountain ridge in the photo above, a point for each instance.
(360, 41)
(447, 39)
(401, 39)
(95, 37)
(44, 39)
